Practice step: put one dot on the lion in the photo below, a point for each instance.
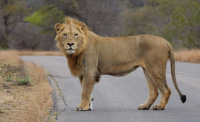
(90, 56)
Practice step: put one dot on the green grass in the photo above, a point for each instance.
(8, 79)
(24, 80)
(14, 74)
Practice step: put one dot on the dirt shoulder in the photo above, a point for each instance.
(25, 93)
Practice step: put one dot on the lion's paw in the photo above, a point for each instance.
(143, 107)
(157, 107)
(81, 108)
(90, 104)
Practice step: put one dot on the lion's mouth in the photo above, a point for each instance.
(70, 48)
(70, 51)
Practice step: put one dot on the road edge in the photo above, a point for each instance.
(58, 103)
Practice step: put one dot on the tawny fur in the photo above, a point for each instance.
(117, 56)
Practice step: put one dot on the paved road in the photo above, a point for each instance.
(116, 99)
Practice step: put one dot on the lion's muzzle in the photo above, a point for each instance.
(70, 44)
(70, 48)
(70, 51)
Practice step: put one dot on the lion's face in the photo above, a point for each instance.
(70, 38)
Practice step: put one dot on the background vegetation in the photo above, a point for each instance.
(29, 24)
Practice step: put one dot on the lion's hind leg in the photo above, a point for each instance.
(153, 93)
(159, 78)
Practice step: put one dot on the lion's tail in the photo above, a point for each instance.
(172, 61)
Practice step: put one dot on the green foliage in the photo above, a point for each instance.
(14, 8)
(185, 19)
(35, 18)
(45, 18)
(24, 80)
(177, 21)
(8, 79)
(74, 4)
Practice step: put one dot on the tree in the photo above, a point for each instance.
(46, 18)
(186, 24)
(11, 12)
(27, 37)
(177, 21)
(102, 16)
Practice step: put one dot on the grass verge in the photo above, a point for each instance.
(25, 93)
(37, 53)
(186, 55)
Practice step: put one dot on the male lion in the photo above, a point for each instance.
(90, 56)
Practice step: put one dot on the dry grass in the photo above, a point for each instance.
(37, 53)
(186, 55)
(8, 57)
(28, 102)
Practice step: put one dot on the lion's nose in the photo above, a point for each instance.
(70, 44)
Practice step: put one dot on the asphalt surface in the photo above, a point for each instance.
(116, 99)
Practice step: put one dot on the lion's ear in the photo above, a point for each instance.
(83, 26)
(59, 27)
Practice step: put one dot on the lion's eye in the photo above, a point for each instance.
(75, 35)
(65, 34)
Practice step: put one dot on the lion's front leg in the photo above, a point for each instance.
(87, 88)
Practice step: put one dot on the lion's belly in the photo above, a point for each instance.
(117, 70)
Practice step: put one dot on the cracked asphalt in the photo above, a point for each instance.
(116, 99)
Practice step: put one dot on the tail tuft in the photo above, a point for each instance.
(183, 98)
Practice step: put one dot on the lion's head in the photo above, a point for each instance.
(71, 36)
